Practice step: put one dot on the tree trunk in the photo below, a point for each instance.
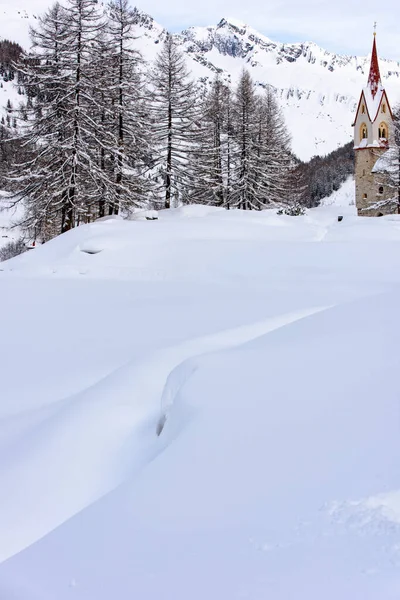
(71, 197)
(169, 159)
(120, 161)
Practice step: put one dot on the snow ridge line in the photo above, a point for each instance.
(226, 340)
(102, 436)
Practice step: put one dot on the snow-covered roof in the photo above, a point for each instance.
(373, 100)
(374, 92)
(374, 144)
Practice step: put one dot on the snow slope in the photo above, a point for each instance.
(318, 90)
(205, 406)
(344, 196)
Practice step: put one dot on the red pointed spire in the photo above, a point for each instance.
(374, 78)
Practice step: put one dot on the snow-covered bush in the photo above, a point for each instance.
(293, 210)
(12, 249)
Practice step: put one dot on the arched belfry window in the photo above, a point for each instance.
(363, 132)
(363, 109)
(383, 131)
(383, 109)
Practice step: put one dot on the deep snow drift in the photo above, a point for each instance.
(262, 349)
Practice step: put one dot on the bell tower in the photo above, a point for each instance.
(372, 128)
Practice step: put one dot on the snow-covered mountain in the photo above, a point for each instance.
(318, 89)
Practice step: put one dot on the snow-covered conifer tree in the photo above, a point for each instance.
(395, 177)
(63, 179)
(46, 87)
(83, 23)
(261, 157)
(103, 115)
(208, 158)
(392, 158)
(130, 126)
(274, 159)
(173, 110)
(229, 148)
(246, 179)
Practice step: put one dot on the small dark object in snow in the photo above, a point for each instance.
(340, 218)
(91, 250)
(161, 424)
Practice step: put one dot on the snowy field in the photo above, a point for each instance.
(203, 407)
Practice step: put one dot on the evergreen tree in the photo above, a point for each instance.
(245, 190)
(261, 157)
(229, 153)
(173, 113)
(102, 114)
(273, 156)
(45, 132)
(209, 185)
(242, 156)
(392, 159)
(83, 22)
(298, 187)
(63, 179)
(130, 122)
(10, 151)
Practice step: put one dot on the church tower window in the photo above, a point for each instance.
(363, 109)
(363, 132)
(383, 108)
(383, 131)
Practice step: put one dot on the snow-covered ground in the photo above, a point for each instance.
(203, 406)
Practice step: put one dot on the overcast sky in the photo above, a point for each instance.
(339, 26)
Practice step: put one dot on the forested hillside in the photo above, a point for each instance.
(325, 174)
(9, 54)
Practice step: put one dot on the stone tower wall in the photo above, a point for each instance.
(368, 184)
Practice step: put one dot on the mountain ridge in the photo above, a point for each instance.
(318, 89)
